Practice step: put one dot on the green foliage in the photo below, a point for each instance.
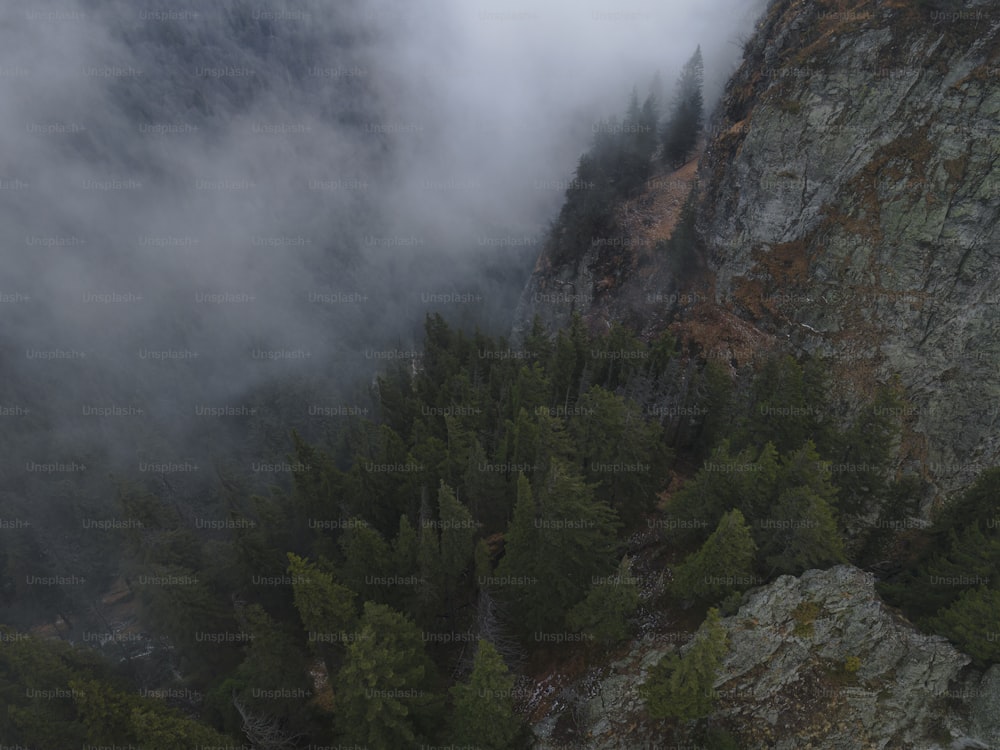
(973, 624)
(180, 604)
(324, 606)
(723, 564)
(788, 501)
(745, 480)
(555, 546)
(805, 614)
(483, 713)
(720, 739)
(367, 558)
(61, 697)
(385, 691)
(622, 454)
(681, 686)
(169, 731)
(618, 162)
(457, 540)
(788, 405)
(942, 588)
(868, 446)
(604, 613)
(274, 662)
(683, 127)
(805, 534)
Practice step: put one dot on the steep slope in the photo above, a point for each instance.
(783, 683)
(626, 277)
(850, 203)
(846, 204)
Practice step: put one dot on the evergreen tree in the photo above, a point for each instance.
(803, 534)
(963, 542)
(325, 607)
(483, 715)
(570, 360)
(971, 622)
(429, 592)
(537, 341)
(681, 686)
(562, 541)
(620, 452)
(385, 690)
(522, 553)
(405, 549)
(723, 564)
(486, 492)
(724, 481)
(170, 731)
(457, 542)
(367, 561)
(274, 662)
(786, 406)
(714, 392)
(178, 603)
(604, 613)
(684, 125)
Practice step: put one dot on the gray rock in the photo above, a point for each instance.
(861, 194)
(784, 681)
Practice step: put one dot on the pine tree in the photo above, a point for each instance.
(537, 342)
(486, 492)
(560, 541)
(522, 552)
(274, 662)
(429, 591)
(723, 564)
(681, 686)
(684, 125)
(724, 481)
(385, 691)
(457, 537)
(367, 560)
(803, 534)
(714, 395)
(570, 360)
(483, 714)
(604, 613)
(170, 731)
(325, 607)
(972, 623)
(620, 452)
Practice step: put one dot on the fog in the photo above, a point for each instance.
(200, 200)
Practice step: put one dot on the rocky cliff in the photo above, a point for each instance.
(846, 203)
(786, 682)
(849, 203)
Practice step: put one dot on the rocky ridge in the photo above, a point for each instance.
(787, 683)
(850, 205)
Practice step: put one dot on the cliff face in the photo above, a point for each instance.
(850, 202)
(624, 277)
(783, 683)
(847, 204)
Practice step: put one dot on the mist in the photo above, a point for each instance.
(202, 202)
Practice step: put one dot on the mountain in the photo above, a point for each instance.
(846, 204)
(784, 684)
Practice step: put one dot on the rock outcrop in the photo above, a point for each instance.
(850, 204)
(790, 679)
(847, 203)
